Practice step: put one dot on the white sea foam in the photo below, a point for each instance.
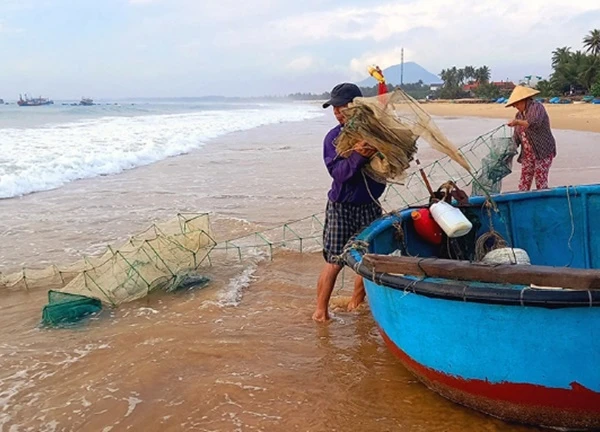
(133, 402)
(232, 294)
(47, 157)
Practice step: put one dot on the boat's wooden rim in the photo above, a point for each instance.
(467, 291)
(545, 276)
(476, 292)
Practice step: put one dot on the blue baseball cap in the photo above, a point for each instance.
(343, 94)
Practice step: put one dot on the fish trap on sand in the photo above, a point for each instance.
(164, 257)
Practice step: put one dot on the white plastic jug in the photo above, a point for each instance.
(450, 219)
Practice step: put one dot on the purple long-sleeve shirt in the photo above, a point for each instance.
(348, 184)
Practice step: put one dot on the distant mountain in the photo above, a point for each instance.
(413, 72)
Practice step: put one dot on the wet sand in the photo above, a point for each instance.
(241, 354)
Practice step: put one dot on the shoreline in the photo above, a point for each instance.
(220, 178)
(582, 117)
(579, 117)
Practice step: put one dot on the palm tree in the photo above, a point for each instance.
(461, 76)
(482, 75)
(444, 75)
(545, 88)
(452, 82)
(560, 55)
(592, 42)
(569, 73)
(589, 71)
(469, 73)
(451, 77)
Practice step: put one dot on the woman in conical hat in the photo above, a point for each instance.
(532, 132)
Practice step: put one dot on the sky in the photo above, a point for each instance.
(173, 48)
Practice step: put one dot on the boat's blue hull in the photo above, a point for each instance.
(526, 364)
(531, 356)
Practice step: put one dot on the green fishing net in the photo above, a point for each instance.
(496, 165)
(168, 256)
(165, 257)
(65, 308)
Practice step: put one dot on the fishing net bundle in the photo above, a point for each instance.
(392, 123)
(165, 257)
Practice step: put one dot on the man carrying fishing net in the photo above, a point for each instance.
(373, 145)
(352, 201)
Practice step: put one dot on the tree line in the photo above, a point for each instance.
(418, 90)
(575, 72)
(455, 79)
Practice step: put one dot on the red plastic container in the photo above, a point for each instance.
(427, 228)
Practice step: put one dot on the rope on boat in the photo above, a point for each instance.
(521, 294)
(481, 245)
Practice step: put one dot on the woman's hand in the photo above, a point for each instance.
(364, 149)
(515, 122)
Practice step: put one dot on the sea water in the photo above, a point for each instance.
(46, 147)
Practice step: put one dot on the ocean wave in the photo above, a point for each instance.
(44, 158)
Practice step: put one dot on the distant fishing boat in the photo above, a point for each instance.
(86, 101)
(33, 101)
(1, 101)
(519, 342)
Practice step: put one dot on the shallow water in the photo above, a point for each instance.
(242, 353)
(185, 362)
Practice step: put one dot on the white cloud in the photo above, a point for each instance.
(382, 58)
(379, 23)
(279, 44)
(300, 64)
(375, 23)
(436, 33)
(213, 11)
(504, 34)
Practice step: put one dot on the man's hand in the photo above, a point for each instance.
(364, 149)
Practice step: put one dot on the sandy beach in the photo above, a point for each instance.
(580, 117)
(165, 174)
(255, 361)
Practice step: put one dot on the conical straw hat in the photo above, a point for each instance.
(519, 93)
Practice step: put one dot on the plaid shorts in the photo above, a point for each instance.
(342, 221)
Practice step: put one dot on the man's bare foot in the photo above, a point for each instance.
(355, 302)
(321, 316)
